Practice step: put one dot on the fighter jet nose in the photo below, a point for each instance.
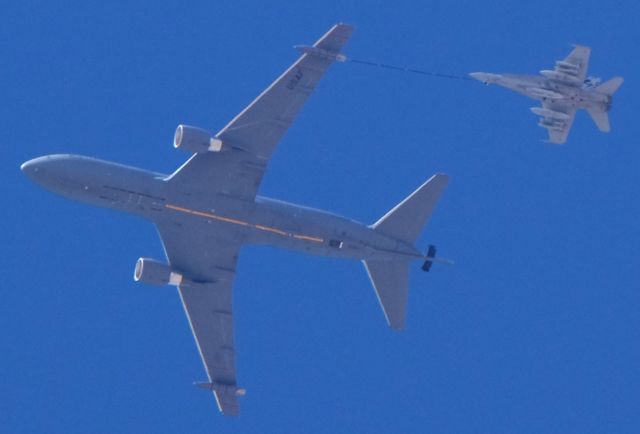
(484, 77)
(480, 76)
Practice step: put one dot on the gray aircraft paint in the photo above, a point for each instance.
(562, 92)
(263, 221)
(209, 208)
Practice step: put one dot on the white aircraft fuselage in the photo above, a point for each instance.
(575, 94)
(562, 91)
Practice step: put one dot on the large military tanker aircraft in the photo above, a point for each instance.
(209, 208)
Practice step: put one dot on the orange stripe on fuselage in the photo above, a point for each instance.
(243, 223)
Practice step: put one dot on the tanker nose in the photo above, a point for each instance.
(35, 168)
(50, 170)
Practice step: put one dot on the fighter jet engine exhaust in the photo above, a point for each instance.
(195, 140)
(155, 273)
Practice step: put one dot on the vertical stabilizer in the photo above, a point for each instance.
(609, 87)
(404, 222)
(407, 219)
(390, 279)
(600, 117)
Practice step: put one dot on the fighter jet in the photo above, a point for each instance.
(563, 91)
(209, 208)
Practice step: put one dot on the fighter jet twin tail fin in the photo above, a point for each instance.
(600, 117)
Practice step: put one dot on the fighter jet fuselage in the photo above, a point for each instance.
(562, 91)
(576, 95)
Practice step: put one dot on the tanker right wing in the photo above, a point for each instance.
(251, 137)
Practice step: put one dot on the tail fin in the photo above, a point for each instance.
(390, 279)
(601, 119)
(609, 87)
(407, 219)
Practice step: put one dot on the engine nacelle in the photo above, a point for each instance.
(155, 273)
(194, 139)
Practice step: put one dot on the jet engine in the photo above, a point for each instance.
(194, 139)
(155, 273)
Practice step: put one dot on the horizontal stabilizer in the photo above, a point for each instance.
(390, 280)
(609, 87)
(601, 120)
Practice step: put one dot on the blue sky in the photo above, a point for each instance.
(535, 329)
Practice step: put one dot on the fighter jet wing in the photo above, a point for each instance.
(251, 137)
(558, 121)
(208, 264)
(575, 64)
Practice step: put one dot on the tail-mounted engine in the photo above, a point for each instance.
(155, 273)
(194, 139)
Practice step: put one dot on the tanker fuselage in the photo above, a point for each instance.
(260, 221)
